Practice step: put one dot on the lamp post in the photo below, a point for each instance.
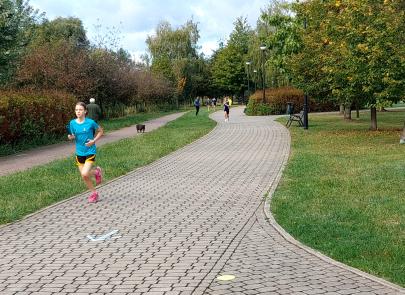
(248, 63)
(255, 77)
(305, 94)
(263, 48)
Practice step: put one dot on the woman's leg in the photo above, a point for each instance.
(86, 172)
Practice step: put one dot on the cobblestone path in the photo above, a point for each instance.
(182, 221)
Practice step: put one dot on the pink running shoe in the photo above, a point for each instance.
(93, 198)
(99, 175)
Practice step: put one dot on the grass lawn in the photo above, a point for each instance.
(108, 125)
(118, 123)
(25, 192)
(343, 191)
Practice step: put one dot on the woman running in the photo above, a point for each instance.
(82, 130)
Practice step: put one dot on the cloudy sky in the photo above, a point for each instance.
(136, 19)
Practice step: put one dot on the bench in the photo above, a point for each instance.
(295, 117)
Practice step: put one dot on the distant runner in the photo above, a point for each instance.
(226, 110)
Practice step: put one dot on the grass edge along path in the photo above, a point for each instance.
(122, 122)
(342, 193)
(108, 126)
(26, 192)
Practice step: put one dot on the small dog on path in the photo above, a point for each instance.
(140, 128)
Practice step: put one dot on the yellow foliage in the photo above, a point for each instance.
(362, 47)
(181, 84)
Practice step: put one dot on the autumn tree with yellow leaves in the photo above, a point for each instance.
(353, 51)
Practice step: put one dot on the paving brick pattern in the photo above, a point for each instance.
(182, 221)
(264, 263)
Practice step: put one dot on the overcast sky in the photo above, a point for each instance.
(136, 19)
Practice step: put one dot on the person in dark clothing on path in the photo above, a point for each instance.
(214, 103)
(226, 110)
(93, 110)
(197, 105)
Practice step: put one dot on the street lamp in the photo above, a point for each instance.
(305, 94)
(248, 63)
(263, 48)
(255, 77)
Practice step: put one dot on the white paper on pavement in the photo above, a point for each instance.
(103, 237)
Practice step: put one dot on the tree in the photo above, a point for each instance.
(58, 65)
(200, 78)
(228, 66)
(228, 71)
(68, 29)
(60, 57)
(16, 21)
(57, 58)
(279, 31)
(172, 52)
(353, 51)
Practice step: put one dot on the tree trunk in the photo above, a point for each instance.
(348, 112)
(357, 111)
(373, 125)
(341, 109)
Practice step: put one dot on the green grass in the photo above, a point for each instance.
(25, 192)
(114, 124)
(342, 191)
(398, 105)
(108, 125)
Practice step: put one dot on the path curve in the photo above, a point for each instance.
(49, 153)
(182, 221)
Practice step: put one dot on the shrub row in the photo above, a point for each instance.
(113, 80)
(276, 100)
(30, 115)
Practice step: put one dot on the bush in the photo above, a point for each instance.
(60, 65)
(28, 115)
(257, 108)
(276, 102)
